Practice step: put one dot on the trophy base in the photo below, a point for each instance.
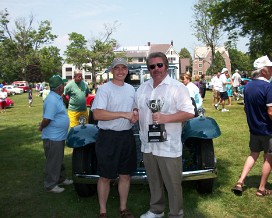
(157, 133)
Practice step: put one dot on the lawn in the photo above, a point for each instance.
(22, 162)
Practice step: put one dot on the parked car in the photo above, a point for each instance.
(9, 103)
(199, 162)
(12, 89)
(240, 93)
(209, 85)
(89, 99)
(21, 84)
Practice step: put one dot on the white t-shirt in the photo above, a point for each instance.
(176, 98)
(223, 79)
(3, 96)
(194, 93)
(115, 98)
(236, 78)
(216, 83)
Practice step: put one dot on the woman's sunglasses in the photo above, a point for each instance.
(152, 66)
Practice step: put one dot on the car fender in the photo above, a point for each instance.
(200, 127)
(82, 135)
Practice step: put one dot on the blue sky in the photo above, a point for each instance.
(142, 21)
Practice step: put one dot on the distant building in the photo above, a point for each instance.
(138, 54)
(203, 56)
(185, 65)
(135, 55)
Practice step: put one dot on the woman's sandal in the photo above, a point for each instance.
(263, 193)
(238, 188)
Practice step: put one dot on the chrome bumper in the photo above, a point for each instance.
(140, 177)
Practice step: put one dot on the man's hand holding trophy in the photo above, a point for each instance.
(157, 132)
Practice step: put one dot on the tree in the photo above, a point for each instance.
(77, 52)
(217, 64)
(50, 62)
(20, 46)
(247, 18)
(205, 31)
(239, 60)
(99, 52)
(184, 53)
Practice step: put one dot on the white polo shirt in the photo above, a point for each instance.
(176, 98)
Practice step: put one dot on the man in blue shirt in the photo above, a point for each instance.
(258, 108)
(54, 127)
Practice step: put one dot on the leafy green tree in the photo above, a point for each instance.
(217, 64)
(205, 31)
(20, 47)
(247, 18)
(77, 52)
(240, 60)
(50, 62)
(184, 53)
(98, 52)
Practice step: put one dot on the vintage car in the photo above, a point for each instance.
(12, 89)
(9, 103)
(21, 84)
(199, 162)
(240, 94)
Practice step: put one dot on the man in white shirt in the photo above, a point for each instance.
(223, 90)
(163, 159)
(216, 84)
(236, 79)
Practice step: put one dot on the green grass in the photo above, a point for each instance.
(22, 162)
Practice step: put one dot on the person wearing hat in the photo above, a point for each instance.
(115, 145)
(54, 127)
(223, 90)
(77, 90)
(258, 108)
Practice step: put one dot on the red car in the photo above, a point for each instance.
(9, 103)
(89, 99)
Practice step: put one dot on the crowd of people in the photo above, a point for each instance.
(117, 107)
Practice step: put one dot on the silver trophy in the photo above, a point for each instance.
(157, 132)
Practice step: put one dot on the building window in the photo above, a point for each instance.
(200, 73)
(140, 60)
(200, 59)
(171, 59)
(200, 65)
(68, 69)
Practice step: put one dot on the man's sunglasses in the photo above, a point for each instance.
(152, 66)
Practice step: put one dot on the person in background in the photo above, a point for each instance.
(163, 160)
(77, 91)
(30, 97)
(216, 84)
(193, 90)
(45, 92)
(115, 146)
(202, 86)
(54, 127)
(197, 79)
(3, 98)
(236, 78)
(37, 89)
(229, 88)
(223, 90)
(258, 108)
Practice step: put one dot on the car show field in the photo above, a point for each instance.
(22, 163)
